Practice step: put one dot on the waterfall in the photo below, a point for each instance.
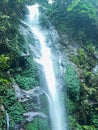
(7, 121)
(50, 2)
(55, 104)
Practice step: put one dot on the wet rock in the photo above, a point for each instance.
(95, 69)
(30, 115)
(35, 51)
(24, 95)
(2, 108)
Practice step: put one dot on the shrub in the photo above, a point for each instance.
(95, 120)
(2, 121)
(73, 124)
(38, 124)
(10, 99)
(32, 126)
(29, 76)
(26, 82)
(72, 82)
(16, 114)
(3, 62)
(79, 13)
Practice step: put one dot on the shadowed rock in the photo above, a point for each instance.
(30, 115)
(25, 95)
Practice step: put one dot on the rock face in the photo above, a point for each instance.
(32, 44)
(23, 95)
(95, 69)
(2, 109)
(30, 115)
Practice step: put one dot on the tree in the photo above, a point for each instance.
(82, 17)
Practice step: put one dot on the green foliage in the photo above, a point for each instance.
(88, 89)
(73, 124)
(14, 108)
(12, 63)
(92, 79)
(85, 58)
(2, 121)
(91, 48)
(80, 13)
(33, 126)
(28, 106)
(30, 126)
(12, 124)
(38, 124)
(71, 108)
(16, 114)
(4, 86)
(82, 56)
(29, 77)
(3, 90)
(78, 19)
(95, 119)
(4, 23)
(57, 15)
(75, 59)
(43, 124)
(72, 82)
(83, 9)
(26, 82)
(10, 99)
(88, 127)
(3, 62)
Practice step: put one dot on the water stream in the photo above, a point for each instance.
(55, 104)
(7, 121)
(50, 1)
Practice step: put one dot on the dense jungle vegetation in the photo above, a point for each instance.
(79, 20)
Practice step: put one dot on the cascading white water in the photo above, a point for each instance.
(55, 104)
(50, 1)
(7, 121)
